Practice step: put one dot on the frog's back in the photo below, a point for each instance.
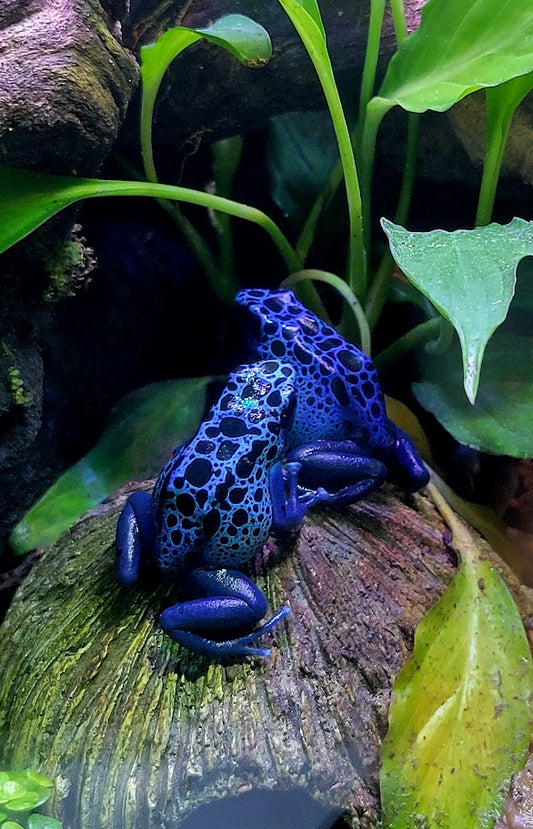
(339, 395)
(212, 498)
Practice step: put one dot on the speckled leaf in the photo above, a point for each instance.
(501, 419)
(460, 46)
(460, 720)
(146, 427)
(469, 275)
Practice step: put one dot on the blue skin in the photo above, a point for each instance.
(213, 508)
(221, 495)
(342, 438)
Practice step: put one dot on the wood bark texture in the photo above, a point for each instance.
(139, 731)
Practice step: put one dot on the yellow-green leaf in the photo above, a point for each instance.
(460, 720)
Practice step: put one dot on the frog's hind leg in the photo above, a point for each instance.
(336, 472)
(135, 536)
(230, 603)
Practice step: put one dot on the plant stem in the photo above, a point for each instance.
(375, 112)
(419, 334)
(208, 200)
(340, 286)
(496, 141)
(377, 295)
(398, 18)
(314, 41)
(368, 82)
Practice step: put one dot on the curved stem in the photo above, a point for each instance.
(377, 295)
(340, 286)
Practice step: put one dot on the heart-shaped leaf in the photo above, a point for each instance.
(469, 275)
(460, 720)
(460, 46)
(146, 427)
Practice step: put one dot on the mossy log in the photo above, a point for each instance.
(139, 733)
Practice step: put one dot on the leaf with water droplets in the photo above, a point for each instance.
(469, 276)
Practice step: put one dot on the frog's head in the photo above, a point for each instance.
(265, 311)
(260, 393)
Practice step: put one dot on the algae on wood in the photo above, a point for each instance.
(140, 732)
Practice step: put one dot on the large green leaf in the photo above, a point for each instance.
(242, 37)
(469, 275)
(460, 46)
(460, 720)
(144, 430)
(29, 198)
(501, 420)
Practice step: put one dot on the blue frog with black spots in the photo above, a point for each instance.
(341, 435)
(214, 506)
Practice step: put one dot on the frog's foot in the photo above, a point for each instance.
(230, 603)
(406, 468)
(135, 536)
(288, 508)
(335, 472)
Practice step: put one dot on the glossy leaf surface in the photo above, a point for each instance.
(146, 427)
(460, 46)
(469, 276)
(460, 719)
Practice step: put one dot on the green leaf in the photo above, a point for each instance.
(469, 275)
(460, 720)
(501, 103)
(25, 802)
(301, 154)
(43, 822)
(10, 789)
(500, 421)
(144, 430)
(242, 37)
(11, 824)
(460, 46)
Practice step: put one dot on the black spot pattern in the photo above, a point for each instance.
(213, 495)
(338, 393)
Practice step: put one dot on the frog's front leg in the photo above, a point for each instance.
(230, 603)
(135, 536)
(288, 507)
(336, 472)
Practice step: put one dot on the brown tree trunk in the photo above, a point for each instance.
(132, 726)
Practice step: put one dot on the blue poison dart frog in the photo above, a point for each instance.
(214, 506)
(341, 435)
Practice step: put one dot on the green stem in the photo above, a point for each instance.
(208, 200)
(492, 163)
(377, 296)
(421, 333)
(222, 283)
(315, 43)
(341, 286)
(368, 82)
(399, 21)
(375, 112)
